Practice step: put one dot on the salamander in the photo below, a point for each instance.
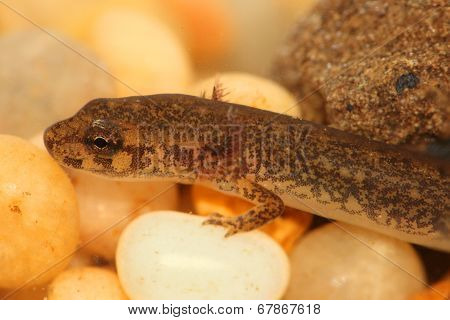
(270, 159)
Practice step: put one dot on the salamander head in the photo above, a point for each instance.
(101, 138)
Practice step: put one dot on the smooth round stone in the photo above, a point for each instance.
(142, 51)
(107, 206)
(86, 283)
(260, 31)
(53, 15)
(38, 292)
(340, 261)
(437, 291)
(43, 81)
(292, 10)
(39, 219)
(249, 90)
(170, 255)
(206, 27)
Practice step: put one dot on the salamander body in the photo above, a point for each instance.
(270, 159)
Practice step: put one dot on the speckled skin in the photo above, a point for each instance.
(375, 68)
(267, 158)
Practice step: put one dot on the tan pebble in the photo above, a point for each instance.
(43, 81)
(340, 261)
(86, 283)
(141, 51)
(249, 90)
(292, 10)
(260, 30)
(107, 206)
(53, 15)
(39, 219)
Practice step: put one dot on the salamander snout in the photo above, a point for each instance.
(63, 141)
(50, 138)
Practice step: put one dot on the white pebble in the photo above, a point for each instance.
(170, 255)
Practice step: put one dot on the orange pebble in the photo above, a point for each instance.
(437, 291)
(285, 230)
(38, 292)
(207, 26)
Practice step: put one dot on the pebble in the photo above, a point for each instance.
(43, 81)
(437, 291)
(340, 261)
(86, 283)
(170, 255)
(141, 51)
(260, 29)
(249, 90)
(52, 15)
(207, 45)
(292, 10)
(38, 292)
(398, 96)
(39, 219)
(107, 206)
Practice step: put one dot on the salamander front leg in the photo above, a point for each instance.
(268, 206)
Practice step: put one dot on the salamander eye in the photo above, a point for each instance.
(101, 143)
(103, 138)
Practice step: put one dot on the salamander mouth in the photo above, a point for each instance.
(73, 162)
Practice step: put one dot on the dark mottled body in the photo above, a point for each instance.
(268, 158)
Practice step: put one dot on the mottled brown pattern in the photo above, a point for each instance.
(268, 206)
(263, 157)
(376, 68)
